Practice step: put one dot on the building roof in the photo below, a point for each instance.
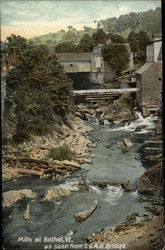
(74, 57)
(143, 68)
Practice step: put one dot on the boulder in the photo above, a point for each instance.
(151, 182)
(10, 197)
(127, 143)
(88, 161)
(124, 143)
(56, 192)
(27, 213)
(125, 184)
(81, 216)
(119, 144)
(100, 184)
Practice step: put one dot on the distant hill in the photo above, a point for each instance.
(148, 21)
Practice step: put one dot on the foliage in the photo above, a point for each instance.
(86, 43)
(116, 38)
(16, 42)
(66, 47)
(116, 56)
(149, 21)
(40, 91)
(99, 37)
(138, 42)
(61, 153)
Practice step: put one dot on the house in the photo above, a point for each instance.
(149, 79)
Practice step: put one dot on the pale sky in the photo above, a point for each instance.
(31, 18)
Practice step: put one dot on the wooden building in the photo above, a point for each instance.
(149, 79)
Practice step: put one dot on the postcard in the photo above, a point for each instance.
(82, 142)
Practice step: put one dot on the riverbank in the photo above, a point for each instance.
(91, 200)
(147, 235)
(32, 157)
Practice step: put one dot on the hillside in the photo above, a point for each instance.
(148, 21)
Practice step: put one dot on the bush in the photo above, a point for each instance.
(61, 153)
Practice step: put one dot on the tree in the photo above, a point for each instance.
(39, 90)
(66, 47)
(86, 43)
(116, 56)
(116, 38)
(132, 38)
(70, 36)
(16, 43)
(138, 42)
(143, 40)
(88, 30)
(99, 37)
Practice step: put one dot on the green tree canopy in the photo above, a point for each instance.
(16, 43)
(117, 56)
(39, 90)
(138, 42)
(99, 37)
(86, 43)
(66, 47)
(116, 38)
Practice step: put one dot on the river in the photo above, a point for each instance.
(111, 164)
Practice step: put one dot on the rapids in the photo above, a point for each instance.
(111, 164)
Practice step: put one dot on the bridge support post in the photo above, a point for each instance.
(97, 77)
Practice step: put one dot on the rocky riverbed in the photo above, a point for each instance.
(31, 158)
(104, 195)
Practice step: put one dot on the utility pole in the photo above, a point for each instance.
(14, 47)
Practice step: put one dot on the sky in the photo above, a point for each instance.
(31, 18)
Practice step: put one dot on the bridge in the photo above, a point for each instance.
(95, 95)
(83, 63)
(92, 63)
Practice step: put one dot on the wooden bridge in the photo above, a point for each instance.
(95, 95)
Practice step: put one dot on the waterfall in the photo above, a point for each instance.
(140, 125)
(93, 119)
(3, 96)
(106, 122)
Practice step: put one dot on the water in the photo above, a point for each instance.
(56, 218)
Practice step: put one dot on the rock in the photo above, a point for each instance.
(27, 213)
(93, 156)
(92, 145)
(117, 122)
(81, 216)
(127, 143)
(88, 161)
(55, 192)
(119, 144)
(131, 218)
(151, 182)
(35, 151)
(10, 197)
(58, 178)
(71, 163)
(124, 143)
(100, 184)
(125, 184)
